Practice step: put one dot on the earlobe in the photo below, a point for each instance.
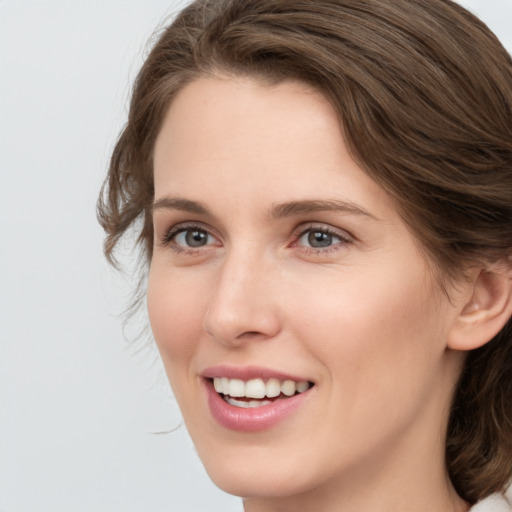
(487, 310)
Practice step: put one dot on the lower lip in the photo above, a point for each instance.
(251, 419)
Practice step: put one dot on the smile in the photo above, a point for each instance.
(252, 393)
(253, 399)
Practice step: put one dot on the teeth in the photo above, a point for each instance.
(236, 387)
(247, 405)
(273, 388)
(257, 388)
(217, 384)
(302, 386)
(288, 388)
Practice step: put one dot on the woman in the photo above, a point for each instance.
(325, 191)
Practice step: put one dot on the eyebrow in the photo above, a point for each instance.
(177, 203)
(312, 206)
(277, 211)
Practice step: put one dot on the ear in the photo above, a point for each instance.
(486, 309)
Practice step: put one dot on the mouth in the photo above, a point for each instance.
(251, 398)
(259, 392)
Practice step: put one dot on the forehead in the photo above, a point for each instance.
(245, 110)
(240, 123)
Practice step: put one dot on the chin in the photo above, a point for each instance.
(261, 483)
(259, 471)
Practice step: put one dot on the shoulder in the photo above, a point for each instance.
(495, 503)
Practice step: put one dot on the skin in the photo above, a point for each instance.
(362, 317)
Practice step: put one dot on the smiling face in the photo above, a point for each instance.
(301, 328)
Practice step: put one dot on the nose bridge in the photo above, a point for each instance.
(242, 305)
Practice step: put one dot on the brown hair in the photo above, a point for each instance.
(423, 90)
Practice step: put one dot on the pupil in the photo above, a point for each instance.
(196, 238)
(319, 239)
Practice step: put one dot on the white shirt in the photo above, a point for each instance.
(495, 503)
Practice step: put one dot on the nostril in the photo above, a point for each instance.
(252, 335)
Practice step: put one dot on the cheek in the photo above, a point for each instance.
(375, 333)
(175, 312)
(379, 347)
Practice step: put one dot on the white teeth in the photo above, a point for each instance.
(259, 403)
(273, 388)
(236, 387)
(302, 386)
(246, 405)
(217, 384)
(288, 388)
(257, 388)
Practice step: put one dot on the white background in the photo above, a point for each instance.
(78, 408)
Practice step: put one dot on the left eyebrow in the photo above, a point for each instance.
(311, 206)
(178, 203)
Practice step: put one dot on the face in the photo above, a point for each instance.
(299, 324)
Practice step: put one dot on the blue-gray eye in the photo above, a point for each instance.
(318, 239)
(193, 238)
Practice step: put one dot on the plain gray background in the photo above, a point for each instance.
(79, 409)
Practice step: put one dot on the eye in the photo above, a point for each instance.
(188, 238)
(192, 238)
(321, 239)
(318, 239)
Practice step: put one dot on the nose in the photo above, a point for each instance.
(243, 305)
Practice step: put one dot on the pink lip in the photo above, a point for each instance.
(251, 419)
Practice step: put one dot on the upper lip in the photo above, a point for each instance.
(248, 372)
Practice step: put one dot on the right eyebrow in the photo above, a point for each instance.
(312, 206)
(178, 203)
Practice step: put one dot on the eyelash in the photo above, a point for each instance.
(169, 239)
